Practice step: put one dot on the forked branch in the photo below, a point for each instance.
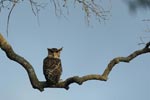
(40, 85)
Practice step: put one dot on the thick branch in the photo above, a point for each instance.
(76, 79)
(15, 57)
(40, 85)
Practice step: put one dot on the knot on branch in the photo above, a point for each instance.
(75, 79)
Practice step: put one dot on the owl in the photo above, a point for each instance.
(52, 68)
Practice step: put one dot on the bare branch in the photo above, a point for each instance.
(36, 6)
(13, 6)
(91, 8)
(40, 85)
(75, 79)
(4, 45)
(127, 59)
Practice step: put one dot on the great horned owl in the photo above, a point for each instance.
(52, 68)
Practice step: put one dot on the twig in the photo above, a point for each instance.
(13, 6)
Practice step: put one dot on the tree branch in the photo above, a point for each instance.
(4, 45)
(127, 59)
(40, 85)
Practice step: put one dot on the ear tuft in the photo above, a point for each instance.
(60, 49)
(49, 49)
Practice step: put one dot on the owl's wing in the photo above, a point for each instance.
(51, 63)
(52, 69)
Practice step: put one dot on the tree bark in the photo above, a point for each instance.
(40, 85)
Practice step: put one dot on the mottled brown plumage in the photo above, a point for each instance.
(52, 68)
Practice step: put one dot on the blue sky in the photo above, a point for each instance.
(87, 50)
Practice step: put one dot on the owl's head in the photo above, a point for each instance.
(54, 52)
